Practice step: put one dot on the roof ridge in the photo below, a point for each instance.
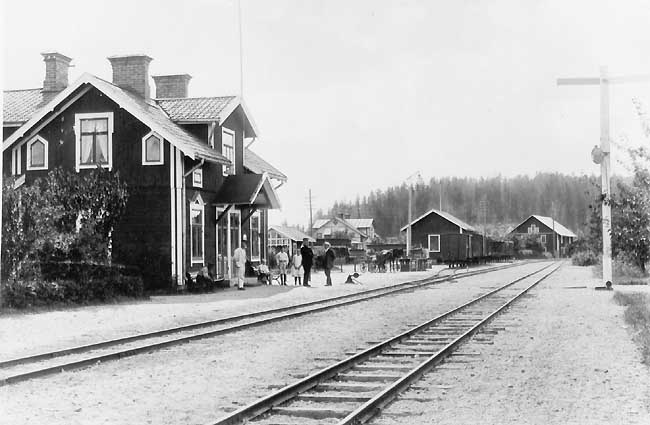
(195, 98)
(14, 90)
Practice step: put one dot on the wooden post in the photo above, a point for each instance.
(605, 180)
(408, 229)
(605, 164)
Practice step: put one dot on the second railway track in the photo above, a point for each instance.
(356, 389)
(43, 364)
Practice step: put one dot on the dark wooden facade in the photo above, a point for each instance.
(545, 235)
(145, 236)
(435, 224)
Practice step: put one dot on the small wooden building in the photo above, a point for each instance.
(288, 237)
(426, 232)
(553, 236)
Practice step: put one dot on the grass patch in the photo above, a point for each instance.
(637, 315)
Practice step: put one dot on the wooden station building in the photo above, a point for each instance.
(194, 191)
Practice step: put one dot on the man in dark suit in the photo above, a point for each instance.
(329, 262)
(307, 260)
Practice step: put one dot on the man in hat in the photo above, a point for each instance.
(329, 262)
(307, 260)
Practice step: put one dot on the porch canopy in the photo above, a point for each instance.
(252, 191)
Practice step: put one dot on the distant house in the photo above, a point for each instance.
(288, 237)
(553, 236)
(340, 228)
(427, 229)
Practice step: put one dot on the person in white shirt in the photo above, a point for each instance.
(296, 268)
(239, 258)
(283, 260)
(264, 272)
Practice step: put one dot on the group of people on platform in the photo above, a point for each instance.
(299, 266)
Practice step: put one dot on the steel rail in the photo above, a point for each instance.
(290, 391)
(370, 408)
(339, 301)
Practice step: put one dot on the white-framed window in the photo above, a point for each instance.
(37, 154)
(255, 240)
(197, 177)
(434, 243)
(153, 152)
(16, 161)
(228, 150)
(197, 233)
(94, 140)
(543, 239)
(533, 229)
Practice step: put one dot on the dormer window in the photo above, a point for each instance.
(197, 178)
(228, 150)
(152, 149)
(94, 140)
(37, 154)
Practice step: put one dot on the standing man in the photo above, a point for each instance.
(307, 259)
(283, 260)
(329, 262)
(239, 258)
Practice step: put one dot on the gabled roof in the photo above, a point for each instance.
(551, 224)
(360, 223)
(291, 233)
(320, 223)
(148, 112)
(346, 223)
(206, 109)
(18, 106)
(458, 222)
(247, 189)
(256, 164)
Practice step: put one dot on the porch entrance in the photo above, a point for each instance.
(228, 231)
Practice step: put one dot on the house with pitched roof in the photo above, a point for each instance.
(553, 236)
(427, 229)
(195, 191)
(286, 236)
(340, 228)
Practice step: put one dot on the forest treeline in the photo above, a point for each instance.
(509, 200)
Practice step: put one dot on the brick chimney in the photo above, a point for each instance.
(171, 86)
(56, 71)
(131, 72)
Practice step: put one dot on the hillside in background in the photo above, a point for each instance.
(509, 200)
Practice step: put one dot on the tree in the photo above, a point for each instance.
(64, 216)
(631, 213)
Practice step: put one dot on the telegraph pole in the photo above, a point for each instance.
(601, 155)
(311, 217)
(483, 205)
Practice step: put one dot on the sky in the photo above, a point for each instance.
(355, 96)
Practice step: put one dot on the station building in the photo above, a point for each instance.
(195, 191)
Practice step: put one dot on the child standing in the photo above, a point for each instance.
(296, 268)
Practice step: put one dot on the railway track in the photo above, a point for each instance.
(356, 389)
(43, 364)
